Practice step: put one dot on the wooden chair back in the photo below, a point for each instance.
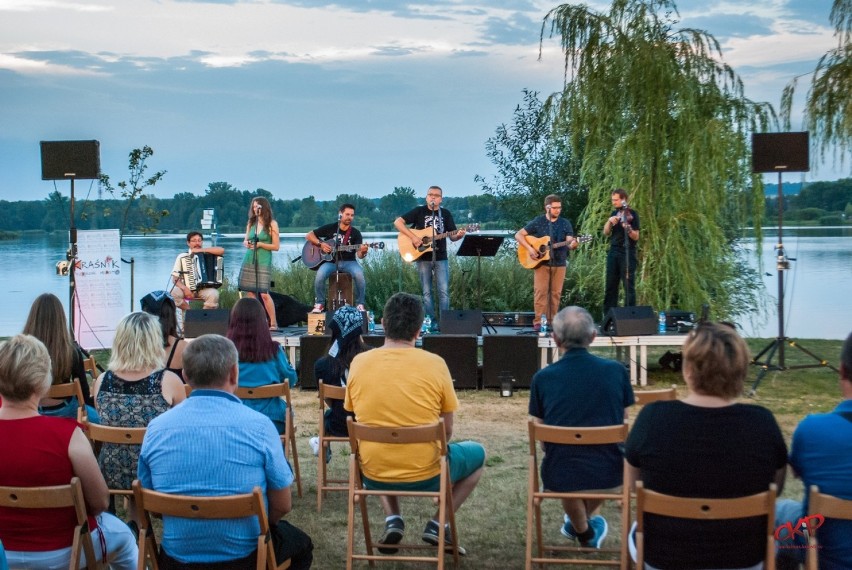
(58, 496)
(539, 434)
(829, 507)
(99, 434)
(647, 396)
(67, 390)
(288, 438)
(430, 433)
(188, 507)
(760, 504)
(325, 483)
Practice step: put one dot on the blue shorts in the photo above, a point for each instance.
(464, 458)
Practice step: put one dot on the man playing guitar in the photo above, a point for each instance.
(341, 233)
(550, 275)
(440, 220)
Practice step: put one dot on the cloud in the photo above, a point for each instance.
(517, 29)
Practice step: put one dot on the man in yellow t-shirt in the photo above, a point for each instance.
(399, 385)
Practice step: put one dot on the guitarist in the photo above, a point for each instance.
(342, 233)
(622, 229)
(432, 215)
(549, 276)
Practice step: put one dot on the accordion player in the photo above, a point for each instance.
(197, 273)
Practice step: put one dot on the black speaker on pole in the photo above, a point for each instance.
(780, 152)
(311, 349)
(516, 355)
(459, 351)
(61, 160)
(630, 321)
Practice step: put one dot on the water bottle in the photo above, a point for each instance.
(371, 322)
(543, 322)
(427, 325)
(662, 328)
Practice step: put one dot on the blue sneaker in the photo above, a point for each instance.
(393, 534)
(567, 529)
(598, 524)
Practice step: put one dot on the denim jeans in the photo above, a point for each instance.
(442, 271)
(352, 268)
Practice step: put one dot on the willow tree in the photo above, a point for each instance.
(828, 106)
(656, 111)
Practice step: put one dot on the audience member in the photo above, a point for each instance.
(580, 390)
(233, 449)
(821, 454)
(45, 451)
(422, 393)
(262, 360)
(47, 323)
(134, 390)
(707, 445)
(162, 305)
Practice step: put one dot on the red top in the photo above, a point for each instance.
(34, 453)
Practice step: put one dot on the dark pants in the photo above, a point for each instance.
(615, 274)
(287, 540)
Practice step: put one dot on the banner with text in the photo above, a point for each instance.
(98, 304)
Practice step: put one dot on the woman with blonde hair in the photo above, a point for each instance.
(47, 323)
(135, 389)
(45, 451)
(261, 240)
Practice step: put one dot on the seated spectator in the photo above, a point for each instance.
(262, 360)
(45, 451)
(707, 445)
(233, 449)
(47, 323)
(135, 389)
(400, 385)
(580, 390)
(162, 305)
(821, 454)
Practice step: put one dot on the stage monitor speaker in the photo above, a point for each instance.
(516, 355)
(630, 321)
(63, 160)
(311, 349)
(197, 322)
(780, 152)
(460, 354)
(461, 322)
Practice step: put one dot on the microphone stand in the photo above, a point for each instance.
(338, 241)
(254, 249)
(549, 270)
(627, 276)
(436, 293)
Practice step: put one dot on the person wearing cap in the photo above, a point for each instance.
(432, 215)
(181, 291)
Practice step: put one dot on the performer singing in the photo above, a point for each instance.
(262, 238)
(440, 220)
(181, 291)
(550, 275)
(622, 227)
(339, 233)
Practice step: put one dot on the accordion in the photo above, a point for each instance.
(202, 270)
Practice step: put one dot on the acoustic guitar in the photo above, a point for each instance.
(313, 256)
(411, 253)
(541, 245)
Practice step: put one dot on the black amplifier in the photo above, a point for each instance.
(510, 318)
(680, 321)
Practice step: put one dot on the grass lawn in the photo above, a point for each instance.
(492, 524)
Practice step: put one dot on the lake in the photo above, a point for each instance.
(815, 303)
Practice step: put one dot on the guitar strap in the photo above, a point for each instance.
(346, 236)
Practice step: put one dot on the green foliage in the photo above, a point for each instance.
(656, 111)
(133, 189)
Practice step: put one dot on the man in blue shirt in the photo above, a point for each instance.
(213, 445)
(822, 455)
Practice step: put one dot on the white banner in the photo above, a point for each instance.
(98, 304)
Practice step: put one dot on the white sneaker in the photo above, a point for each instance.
(314, 442)
(318, 308)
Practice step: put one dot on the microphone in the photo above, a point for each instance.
(431, 203)
(624, 204)
(259, 206)
(339, 216)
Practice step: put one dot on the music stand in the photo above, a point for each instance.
(480, 246)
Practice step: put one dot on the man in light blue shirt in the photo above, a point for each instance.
(213, 445)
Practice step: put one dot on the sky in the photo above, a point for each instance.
(316, 97)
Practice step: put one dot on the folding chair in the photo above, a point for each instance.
(430, 433)
(99, 434)
(760, 504)
(67, 390)
(831, 508)
(541, 433)
(91, 367)
(222, 507)
(59, 496)
(647, 396)
(324, 482)
(281, 390)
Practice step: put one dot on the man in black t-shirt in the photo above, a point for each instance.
(330, 236)
(622, 228)
(439, 221)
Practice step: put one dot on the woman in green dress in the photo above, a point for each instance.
(261, 240)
